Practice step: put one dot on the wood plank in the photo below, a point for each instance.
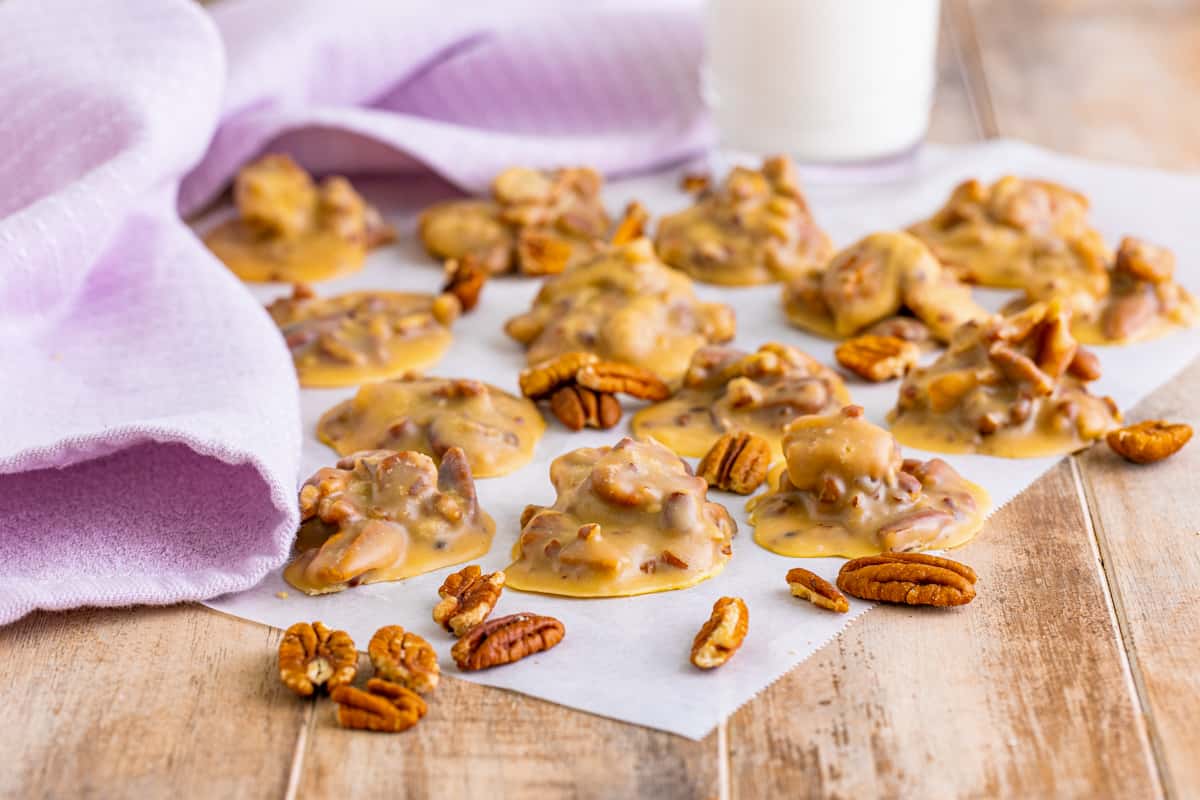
(1146, 522)
(1022, 693)
(478, 741)
(147, 702)
(1102, 78)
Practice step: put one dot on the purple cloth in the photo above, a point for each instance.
(149, 422)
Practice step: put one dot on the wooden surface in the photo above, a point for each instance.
(1073, 674)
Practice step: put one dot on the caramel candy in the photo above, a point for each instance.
(384, 515)
(537, 222)
(1013, 386)
(496, 430)
(363, 336)
(846, 491)
(726, 389)
(1015, 232)
(872, 281)
(755, 227)
(623, 305)
(628, 520)
(290, 229)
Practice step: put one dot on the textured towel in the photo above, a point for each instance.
(149, 429)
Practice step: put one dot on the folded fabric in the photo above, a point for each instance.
(149, 424)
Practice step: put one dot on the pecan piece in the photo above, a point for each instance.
(1149, 441)
(877, 358)
(722, 635)
(694, 182)
(632, 225)
(468, 597)
(505, 640)
(816, 590)
(1144, 261)
(737, 462)
(385, 707)
(613, 377)
(542, 379)
(311, 656)
(915, 579)
(542, 253)
(578, 408)
(404, 658)
(464, 279)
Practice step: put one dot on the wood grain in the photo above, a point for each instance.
(1149, 532)
(148, 702)
(1022, 693)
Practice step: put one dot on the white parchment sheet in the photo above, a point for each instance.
(628, 658)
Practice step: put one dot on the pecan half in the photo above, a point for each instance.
(385, 707)
(505, 640)
(915, 579)
(578, 408)
(311, 656)
(816, 590)
(404, 658)
(737, 462)
(877, 358)
(468, 597)
(542, 379)
(464, 279)
(1149, 441)
(614, 377)
(722, 635)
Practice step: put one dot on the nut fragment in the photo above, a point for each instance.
(877, 358)
(578, 408)
(737, 462)
(505, 640)
(385, 707)
(404, 658)
(613, 377)
(468, 597)
(816, 590)
(542, 253)
(1149, 441)
(722, 635)
(632, 225)
(542, 379)
(464, 279)
(915, 579)
(311, 656)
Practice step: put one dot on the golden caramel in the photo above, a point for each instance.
(624, 305)
(846, 491)
(363, 336)
(628, 520)
(727, 390)
(871, 281)
(290, 229)
(497, 431)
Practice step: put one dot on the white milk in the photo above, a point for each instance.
(822, 80)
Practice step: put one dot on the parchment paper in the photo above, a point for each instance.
(628, 658)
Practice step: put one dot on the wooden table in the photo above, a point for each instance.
(1074, 674)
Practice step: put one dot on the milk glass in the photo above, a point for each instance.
(826, 81)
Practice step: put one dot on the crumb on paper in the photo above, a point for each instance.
(282, 595)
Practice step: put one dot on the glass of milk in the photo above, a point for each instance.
(825, 81)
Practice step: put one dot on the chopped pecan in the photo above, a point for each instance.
(468, 597)
(632, 225)
(1144, 261)
(915, 579)
(1085, 365)
(505, 640)
(1149, 441)
(877, 358)
(541, 380)
(385, 707)
(311, 656)
(1020, 368)
(614, 377)
(578, 408)
(816, 590)
(542, 253)
(737, 462)
(404, 658)
(694, 182)
(464, 279)
(723, 634)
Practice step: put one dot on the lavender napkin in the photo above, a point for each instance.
(149, 427)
